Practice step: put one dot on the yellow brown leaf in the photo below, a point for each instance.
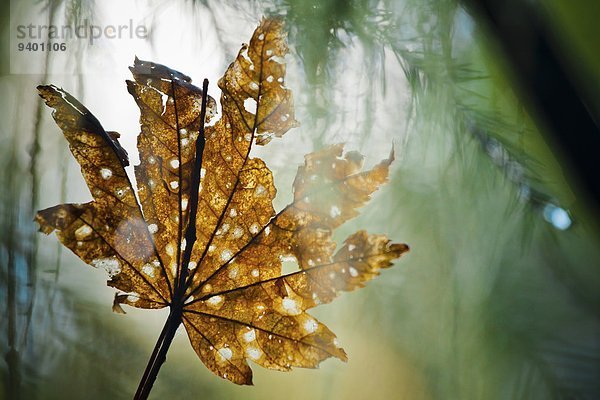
(199, 182)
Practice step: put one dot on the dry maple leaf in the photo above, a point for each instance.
(202, 236)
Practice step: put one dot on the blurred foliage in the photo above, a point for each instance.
(575, 26)
(493, 302)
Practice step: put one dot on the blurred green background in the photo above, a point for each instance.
(498, 298)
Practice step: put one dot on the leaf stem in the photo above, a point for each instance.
(190, 234)
(159, 353)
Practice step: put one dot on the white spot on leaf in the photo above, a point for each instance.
(250, 105)
(287, 257)
(111, 265)
(225, 353)
(237, 232)
(250, 336)
(253, 353)
(310, 325)
(226, 255)
(82, 232)
(133, 297)
(149, 270)
(260, 190)
(335, 211)
(215, 301)
(277, 59)
(106, 173)
(170, 249)
(290, 306)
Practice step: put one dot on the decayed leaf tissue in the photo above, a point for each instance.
(201, 236)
